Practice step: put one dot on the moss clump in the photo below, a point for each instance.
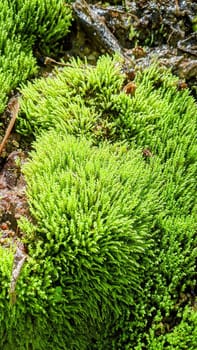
(25, 25)
(91, 101)
(84, 100)
(93, 212)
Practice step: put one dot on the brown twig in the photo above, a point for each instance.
(51, 61)
(20, 257)
(13, 108)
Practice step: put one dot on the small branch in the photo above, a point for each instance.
(13, 108)
(51, 61)
(20, 257)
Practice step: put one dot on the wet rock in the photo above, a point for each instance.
(189, 45)
(143, 31)
(94, 25)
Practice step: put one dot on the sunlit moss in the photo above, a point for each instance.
(111, 186)
(25, 25)
(93, 211)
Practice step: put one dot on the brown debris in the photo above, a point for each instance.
(138, 52)
(13, 205)
(13, 108)
(147, 153)
(164, 27)
(13, 202)
(189, 45)
(130, 88)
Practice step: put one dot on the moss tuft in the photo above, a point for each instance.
(92, 210)
(112, 194)
(26, 26)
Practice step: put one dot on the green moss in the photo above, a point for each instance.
(85, 96)
(93, 211)
(89, 101)
(6, 259)
(183, 336)
(112, 240)
(24, 26)
(194, 24)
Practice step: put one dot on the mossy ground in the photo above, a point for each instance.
(111, 239)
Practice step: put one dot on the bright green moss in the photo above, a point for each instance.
(6, 259)
(194, 24)
(25, 25)
(87, 188)
(90, 101)
(93, 211)
(43, 22)
(83, 96)
(184, 335)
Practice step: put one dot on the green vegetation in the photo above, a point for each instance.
(86, 100)
(93, 210)
(111, 185)
(90, 101)
(26, 26)
(194, 24)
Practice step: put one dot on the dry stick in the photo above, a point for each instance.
(49, 60)
(13, 107)
(19, 259)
